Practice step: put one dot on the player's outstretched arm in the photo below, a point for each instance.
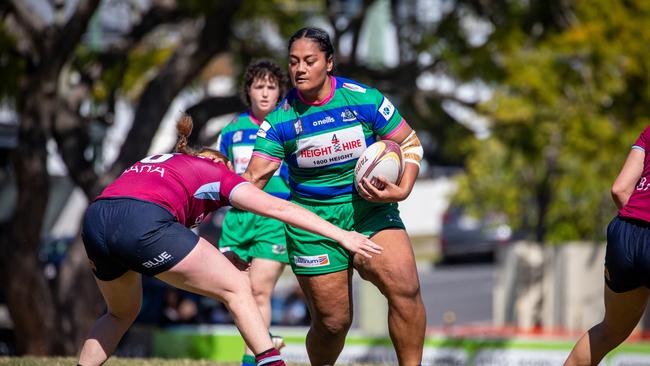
(259, 171)
(628, 177)
(250, 198)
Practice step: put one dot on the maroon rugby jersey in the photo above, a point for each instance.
(189, 187)
(638, 206)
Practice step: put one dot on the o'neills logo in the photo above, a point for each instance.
(323, 121)
(161, 258)
(312, 260)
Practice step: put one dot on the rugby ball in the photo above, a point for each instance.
(382, 158)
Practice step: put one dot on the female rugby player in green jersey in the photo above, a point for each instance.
(256, 239)
(319, 130)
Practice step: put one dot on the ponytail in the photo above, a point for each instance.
(184, 129)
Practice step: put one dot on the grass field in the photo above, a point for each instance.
(116, 361)
(425, 249)
(113, 361)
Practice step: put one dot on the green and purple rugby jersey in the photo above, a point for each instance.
(322, 142)
(236, 141)
(249, 235)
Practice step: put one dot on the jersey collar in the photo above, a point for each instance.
(324, 101)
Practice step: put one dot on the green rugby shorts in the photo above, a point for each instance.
(252, 236)
(311, 254)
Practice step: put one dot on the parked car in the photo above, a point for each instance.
(465, 236)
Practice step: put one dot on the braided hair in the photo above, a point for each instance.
(319, 36)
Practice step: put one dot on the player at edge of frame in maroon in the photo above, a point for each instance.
(627, 260)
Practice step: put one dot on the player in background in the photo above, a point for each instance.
(140, 224)
(319, 130)
(627, 259)
(256, 239)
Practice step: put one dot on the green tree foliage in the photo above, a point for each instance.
(569, 99)
(58, 73)
(569, 82)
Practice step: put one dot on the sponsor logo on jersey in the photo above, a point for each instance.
(237, 137)
(348, 116)
(278, 248)
(336, 143)
(158, 260)
(330, 148)
(241, 156)
(386, 109)
(354, 87)
(297, 126)
(393, 218)
(312, 260)
(323, 121)
(264, 128)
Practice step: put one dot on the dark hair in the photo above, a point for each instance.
(184, 127)
(317, 35)
(259, 69)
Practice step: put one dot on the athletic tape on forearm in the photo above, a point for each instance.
(412, 151)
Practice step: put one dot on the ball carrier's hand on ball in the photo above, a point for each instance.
(379, 171)
(381, 189)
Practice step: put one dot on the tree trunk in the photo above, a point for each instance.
(197, 47)
(33, 307)
(78, 299)
(29, 298)
(54, 320)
